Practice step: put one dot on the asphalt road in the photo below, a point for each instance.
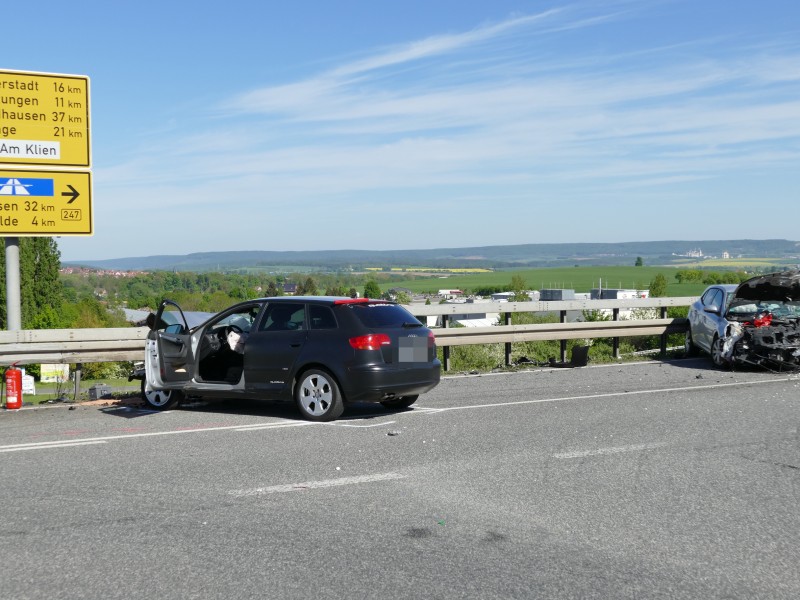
(637, 481)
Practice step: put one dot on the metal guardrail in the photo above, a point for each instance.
(33, 346)
(557, 331)
(562, 331)
(74, 346)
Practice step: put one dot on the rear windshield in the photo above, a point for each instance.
(375, 316)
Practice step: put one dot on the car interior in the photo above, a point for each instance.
(220, 352)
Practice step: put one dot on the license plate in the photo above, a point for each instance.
(413, 349)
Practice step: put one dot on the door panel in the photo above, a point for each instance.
(272, 349)
(270, 358)
(173, 350)
(175, 357)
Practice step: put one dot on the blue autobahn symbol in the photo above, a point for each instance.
(18, 186)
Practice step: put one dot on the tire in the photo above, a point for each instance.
(161, 399)
(317, 396)
(689, 349)
(400, 401)
(716, 353)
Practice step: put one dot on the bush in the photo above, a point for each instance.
(105, 370)
(481, 357)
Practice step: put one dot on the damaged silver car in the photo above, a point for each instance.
(756, 323)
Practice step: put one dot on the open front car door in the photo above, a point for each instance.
(169, 359)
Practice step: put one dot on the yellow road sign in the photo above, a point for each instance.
(44, 119)
(45, 203)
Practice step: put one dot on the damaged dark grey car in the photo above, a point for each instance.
(320, 352)
(756, 323)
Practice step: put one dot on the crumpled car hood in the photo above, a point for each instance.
(774, 286)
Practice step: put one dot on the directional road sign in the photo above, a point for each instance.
(45, 203)
(44, 119)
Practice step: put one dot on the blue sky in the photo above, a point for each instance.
(265, 125)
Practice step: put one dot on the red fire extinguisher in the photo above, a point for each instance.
(13, 388)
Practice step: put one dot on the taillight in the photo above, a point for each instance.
(431, 339)
(373, 341)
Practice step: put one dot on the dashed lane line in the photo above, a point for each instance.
(613, 450)
(312, 485)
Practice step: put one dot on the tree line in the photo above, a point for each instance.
(92, 299)
(710, 277)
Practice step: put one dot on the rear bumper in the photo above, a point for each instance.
(373, 383)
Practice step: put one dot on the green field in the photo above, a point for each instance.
(581, 279)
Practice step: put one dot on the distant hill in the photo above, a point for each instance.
(523, 255)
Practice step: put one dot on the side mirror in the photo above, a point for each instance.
(712, 309)
(175, 328)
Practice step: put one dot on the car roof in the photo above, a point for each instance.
(326, 300)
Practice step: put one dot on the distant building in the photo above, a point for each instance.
(533, 296)
(473, 316)
(554, 295)
(617, 294)
(503, 296)
(624, 294)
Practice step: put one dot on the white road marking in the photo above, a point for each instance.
(343, 424)
(416, 411)
(259, 426)
(31, 446)
(605, 395)
(617, 450)
(47, 445)
(313, 485)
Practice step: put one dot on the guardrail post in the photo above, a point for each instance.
(446, 349)
(507, 321)
(563, 342)
(663, 335)
(78, 368)
(615, 341)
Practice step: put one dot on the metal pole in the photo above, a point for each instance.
(507, 321)
(616, 339)
(446, 349)
(13, 305)
(77, 391)
(563, 342)
(663, 335)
